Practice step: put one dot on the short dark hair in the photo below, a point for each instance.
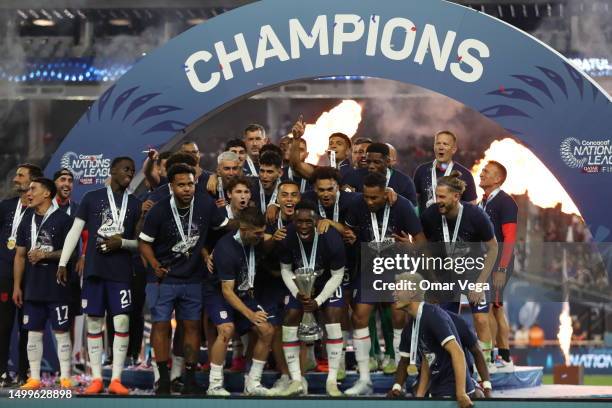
(164, 156)
(33, 170)
(254, 127)
(342, 136)
(64, 171)
(362, 140)
(446, 132)
(306, 205)
(48, 184)
(252, 216)
(271, 148)
(238, 180)
(375, 180)
(179, 168)
(119, 159)
(288, 182)
(271, 158)
(381, 148)
(235, 143)
(325, 173)
(183, 158)
(502, 169)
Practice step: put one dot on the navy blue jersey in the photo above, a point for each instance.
(330, 252)
(466, 335)
(297, 178)
(422, 182)
(475, 225)
(7, 211)
(95, 211)
(345, 202)
(399, 182)
(164, 189)
(402, 217)
(256, 198)
(344, 167)
(246, 170)
(436, 329)
(70, 208)
(184, 262)
(230, 263)
(502, 209)
(40, 278)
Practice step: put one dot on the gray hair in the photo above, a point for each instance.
(227, 156)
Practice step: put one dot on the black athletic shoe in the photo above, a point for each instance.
(162, 388)
(5, 380)
(177, 385)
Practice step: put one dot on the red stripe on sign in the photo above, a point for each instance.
(122, 334)
(296, 344)
(335, 341)
(94, 335)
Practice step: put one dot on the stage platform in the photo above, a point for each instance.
(522, 377)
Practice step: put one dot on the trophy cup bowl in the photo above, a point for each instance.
(308, 331)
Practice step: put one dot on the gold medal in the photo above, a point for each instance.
(10, 244)
(412, 370)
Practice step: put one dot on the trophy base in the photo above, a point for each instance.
(310, 338)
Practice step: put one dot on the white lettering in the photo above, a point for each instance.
(429, 41)
(372, 35)
(341, 36)
(192, 76)
(241, 53)
(469, 60)
(386, 46)
(298, 35)
(267, 35)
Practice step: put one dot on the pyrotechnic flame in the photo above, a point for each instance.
(526, 174)
(565, 332)
(344, 118)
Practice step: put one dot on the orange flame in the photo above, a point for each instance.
(526, 174)
(344, 118)
(565, 332)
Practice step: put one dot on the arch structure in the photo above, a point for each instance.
(507, 75)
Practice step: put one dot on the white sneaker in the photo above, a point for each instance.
(280, 385)
(361, 387)
(294, 388)
(503, 366)
(492, 367)
(217, 391)
(255, 389)
(304, 386)
(332, 389)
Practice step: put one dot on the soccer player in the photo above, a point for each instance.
(254, 138)
(238, 147)
(191, 148)
(431, 338)
(503, 212)
(288, 172)
(154, 168)
(164, 189)
(39, 245)
(378, 161)
(12, 211)
(265, 189)
(358, 154)
(238, 196)
(228, 167)
(392, 155)
(304, 247)
(426, 175)
(373, 219)
(232, 303)
(338, 150)
(171, 241)
(461, 226)
(111, 214)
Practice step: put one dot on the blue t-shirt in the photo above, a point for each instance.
(466, 335)
(422, 182)
(345, 202)
(95, 211)
(399, 182)
(475, 225)
(297, 178)
(402, 217)
(344, 167)
(436, 329)
(230, 263)
(7, 211)
(502, 209)
(163, 190)
(330, 253)
(246, 170)
(185, 263)
(255, 196)
(40, 279)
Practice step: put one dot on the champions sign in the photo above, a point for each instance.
(397, 39)
(508, 76)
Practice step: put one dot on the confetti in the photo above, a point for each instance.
(220, 67)
(360, 20)
(459, 58)
(502, 89)
(373, 18)
(413, 28)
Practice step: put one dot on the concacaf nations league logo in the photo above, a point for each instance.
(87, 168)
(590, 156)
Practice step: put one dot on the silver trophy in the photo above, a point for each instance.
(309, 331)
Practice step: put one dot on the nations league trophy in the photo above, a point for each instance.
(309, 331)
